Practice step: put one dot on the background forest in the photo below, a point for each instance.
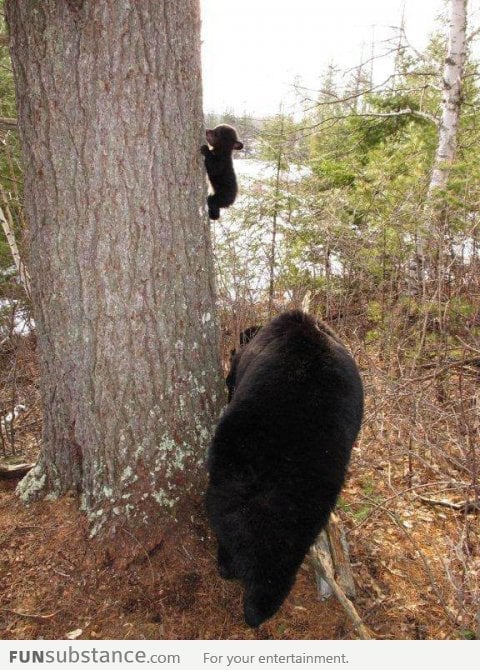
(335, 214)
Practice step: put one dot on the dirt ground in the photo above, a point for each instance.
(416, 563)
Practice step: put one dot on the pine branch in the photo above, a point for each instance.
(375, 115)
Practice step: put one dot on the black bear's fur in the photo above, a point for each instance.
(279, 455)
(219, 165)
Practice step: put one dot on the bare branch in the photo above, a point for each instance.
(339, 100)
(467, 346)
(28, 615)
(322, 561)
(7, 124)
(467, 506)
(382, 115)
(403, 112)
(473, 35)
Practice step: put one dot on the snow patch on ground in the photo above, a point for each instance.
(23, 324)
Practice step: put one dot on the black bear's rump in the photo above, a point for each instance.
(279, 455)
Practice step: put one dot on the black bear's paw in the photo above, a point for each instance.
(204, 149)
(252, 615)
(213, 208)
(258, 606)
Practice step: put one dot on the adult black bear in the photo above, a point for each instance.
(219, 165)
(279, 455)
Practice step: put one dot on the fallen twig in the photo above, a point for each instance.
(14, 470)
(467, 506)
(321, 555)
(28, 615)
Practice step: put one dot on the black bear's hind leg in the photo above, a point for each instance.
(225, 563)
(213, 208)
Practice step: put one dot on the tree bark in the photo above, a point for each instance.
(110, 115)
(448, 130)
(452, 96)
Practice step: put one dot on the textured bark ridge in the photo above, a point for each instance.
(452, 95)
(110, 114)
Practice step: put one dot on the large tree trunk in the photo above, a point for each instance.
(110, 114)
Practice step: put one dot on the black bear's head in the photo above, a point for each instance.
(224, 138)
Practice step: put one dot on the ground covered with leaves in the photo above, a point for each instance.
(415, 556)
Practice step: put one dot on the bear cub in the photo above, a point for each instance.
(279, 455)
(219, 165)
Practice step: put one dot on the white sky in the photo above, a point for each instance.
(254, 49)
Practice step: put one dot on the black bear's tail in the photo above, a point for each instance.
(213, 208)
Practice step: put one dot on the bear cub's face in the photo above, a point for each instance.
(223, 138)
